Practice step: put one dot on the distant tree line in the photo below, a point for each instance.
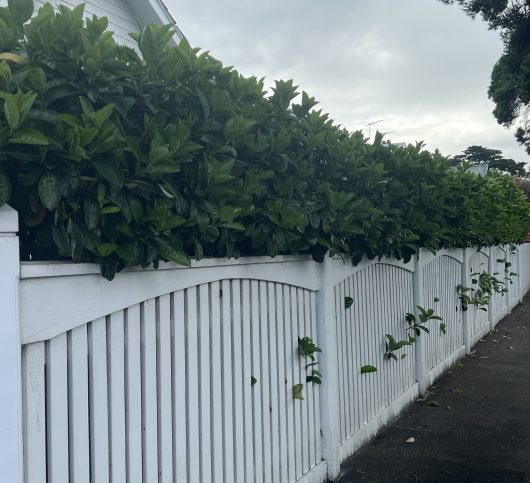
(493, 157)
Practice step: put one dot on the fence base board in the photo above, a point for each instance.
(503, 313)
(514, 304)
(317, 474)
(483, 332)
(443, 366)
(380, 421)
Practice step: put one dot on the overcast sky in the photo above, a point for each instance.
(421, 66)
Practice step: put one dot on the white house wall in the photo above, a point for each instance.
(124, 16)
(121, 18)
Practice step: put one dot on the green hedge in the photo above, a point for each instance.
(128, 160)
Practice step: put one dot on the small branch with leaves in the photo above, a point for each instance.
(307, 349)
(414, 329)
(483, 286)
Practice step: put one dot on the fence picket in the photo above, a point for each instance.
(246, 349)
(237, 387)
(297, 375)
(273, 375)
(34, 394)
(149, 392)
(256, 391)
(99, 422)
(180, 388)
(57, 409)
(265, 382)
(165, 413)
(280, 343)
(133, 389)
(192, 403)
(289, 383)
(204, 382)
(116, 361)
(216, 386)
(78, 407)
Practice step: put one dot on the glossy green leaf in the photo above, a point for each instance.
(368, 369)
(30, 137)
(49, 187)
(110, 170)
(298, 392)
(11, 113)
(348, 302)
(106, 249)
(23, 9)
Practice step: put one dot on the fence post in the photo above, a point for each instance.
(518, 269)
(491, 310)
(10, 364)
(506, 281)
(465, 313)
(417, 294)
(519, 275)
(329, 390)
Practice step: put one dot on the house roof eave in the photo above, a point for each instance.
(155, 11)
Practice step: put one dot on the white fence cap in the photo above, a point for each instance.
(8, 219)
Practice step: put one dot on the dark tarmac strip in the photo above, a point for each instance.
(473, 428)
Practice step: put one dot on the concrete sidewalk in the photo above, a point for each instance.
(474, 427)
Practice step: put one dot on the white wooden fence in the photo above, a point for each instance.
(148, 378)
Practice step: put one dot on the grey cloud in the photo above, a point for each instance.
(422, 66)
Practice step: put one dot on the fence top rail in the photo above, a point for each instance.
(427, 257)
(55, 298)
(47, 269)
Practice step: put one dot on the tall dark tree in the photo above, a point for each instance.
(481, 155)
(510, 79)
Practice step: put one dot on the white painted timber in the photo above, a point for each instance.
(57, 409)
(98, 400)
(149, 391)
(133, 388)
(204, 382)
(116, 384)
(216, 383)
(180, 385)
(124, 16)
(78, 413)
(329, 401)
(8, 222)
(237, 386)
(34, 367)
(148, 378)
(10, 348)
(246, 341)
(40, 294)
(378, 422)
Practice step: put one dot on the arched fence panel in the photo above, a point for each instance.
(512, 276)
(441, 276)
(524, 267)
(192, 385)
(479, 322)
(500, 299)
(371, 303)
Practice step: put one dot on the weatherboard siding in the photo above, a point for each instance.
(122, 19)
